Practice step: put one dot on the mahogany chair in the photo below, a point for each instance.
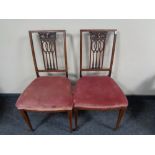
(98, 92)
(47, 93)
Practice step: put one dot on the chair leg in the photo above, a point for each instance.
(76, 117)
(26, 118)
(120, 117)
(70, 119)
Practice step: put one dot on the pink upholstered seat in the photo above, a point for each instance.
(47, 94)
(100, 93)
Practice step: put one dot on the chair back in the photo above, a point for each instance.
(97, 42)
(48, 46)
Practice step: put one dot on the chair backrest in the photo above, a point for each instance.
(47, 39)
(97, 44)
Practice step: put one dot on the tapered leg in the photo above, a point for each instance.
(76, 117)
(26, 118)
(120, 117)
(70, 119)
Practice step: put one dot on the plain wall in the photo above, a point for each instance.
(134, 63)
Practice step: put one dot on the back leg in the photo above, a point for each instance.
(120, 117)
(26, 118)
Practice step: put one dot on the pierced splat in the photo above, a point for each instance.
(48, 46)
(97, 47)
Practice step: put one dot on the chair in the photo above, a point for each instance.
(47, 93)
(98, 92)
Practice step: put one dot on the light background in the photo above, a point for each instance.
(134, 64)
(103, 9)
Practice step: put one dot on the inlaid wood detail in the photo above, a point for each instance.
(98, 41)
(48, 46)
(97, 46)
(49, 52)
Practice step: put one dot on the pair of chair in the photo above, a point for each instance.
(55, 93)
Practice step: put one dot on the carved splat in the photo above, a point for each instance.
(48, 46)
(97, 47)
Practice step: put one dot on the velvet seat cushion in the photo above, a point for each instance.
(47, 94)
(100, 93)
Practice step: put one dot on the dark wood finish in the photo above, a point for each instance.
(49, 52)
(33, 54)
(120, 117)
(48, 46)
(65, 55)
(26, 118)
(105, 69)
(81, 53)
(41, 70)
(97, 46)
(95, 30)
(97, 49)
(70, 119)
(113, 52)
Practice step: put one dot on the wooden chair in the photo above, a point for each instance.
(98, 92)
(47, 93)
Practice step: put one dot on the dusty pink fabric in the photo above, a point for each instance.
(100, 93)
(47, 94)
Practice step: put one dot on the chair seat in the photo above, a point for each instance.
(98, 93)
(47, 94)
